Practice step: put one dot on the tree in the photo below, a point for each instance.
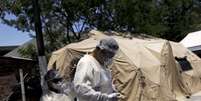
(178, 17)
(64, 20)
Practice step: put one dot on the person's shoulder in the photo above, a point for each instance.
(86, 58)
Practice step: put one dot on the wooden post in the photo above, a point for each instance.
(22, 85)
(40, 45)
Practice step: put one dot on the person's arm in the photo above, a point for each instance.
(83, 84)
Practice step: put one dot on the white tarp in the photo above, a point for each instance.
(192, 41)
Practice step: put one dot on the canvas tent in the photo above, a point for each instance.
(193, 42)
(143, 69)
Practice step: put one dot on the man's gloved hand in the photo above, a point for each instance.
(114, 96)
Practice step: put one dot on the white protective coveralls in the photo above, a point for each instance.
(66, 95)
(52, 96)
(92, 81)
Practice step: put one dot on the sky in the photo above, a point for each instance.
(11, 36)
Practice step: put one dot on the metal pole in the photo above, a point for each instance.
(40, 45)
(22, 85)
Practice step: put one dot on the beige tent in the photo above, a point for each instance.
(143, 69)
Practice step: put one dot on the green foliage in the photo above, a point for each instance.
(63, 21)
(28, 51)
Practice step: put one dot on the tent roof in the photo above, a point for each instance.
(192, 41)
(144, 53)
(5, 49)
(14, 53)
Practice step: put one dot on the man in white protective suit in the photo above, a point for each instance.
(93, 81)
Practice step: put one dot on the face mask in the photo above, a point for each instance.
(56, 87)
(108, 61)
